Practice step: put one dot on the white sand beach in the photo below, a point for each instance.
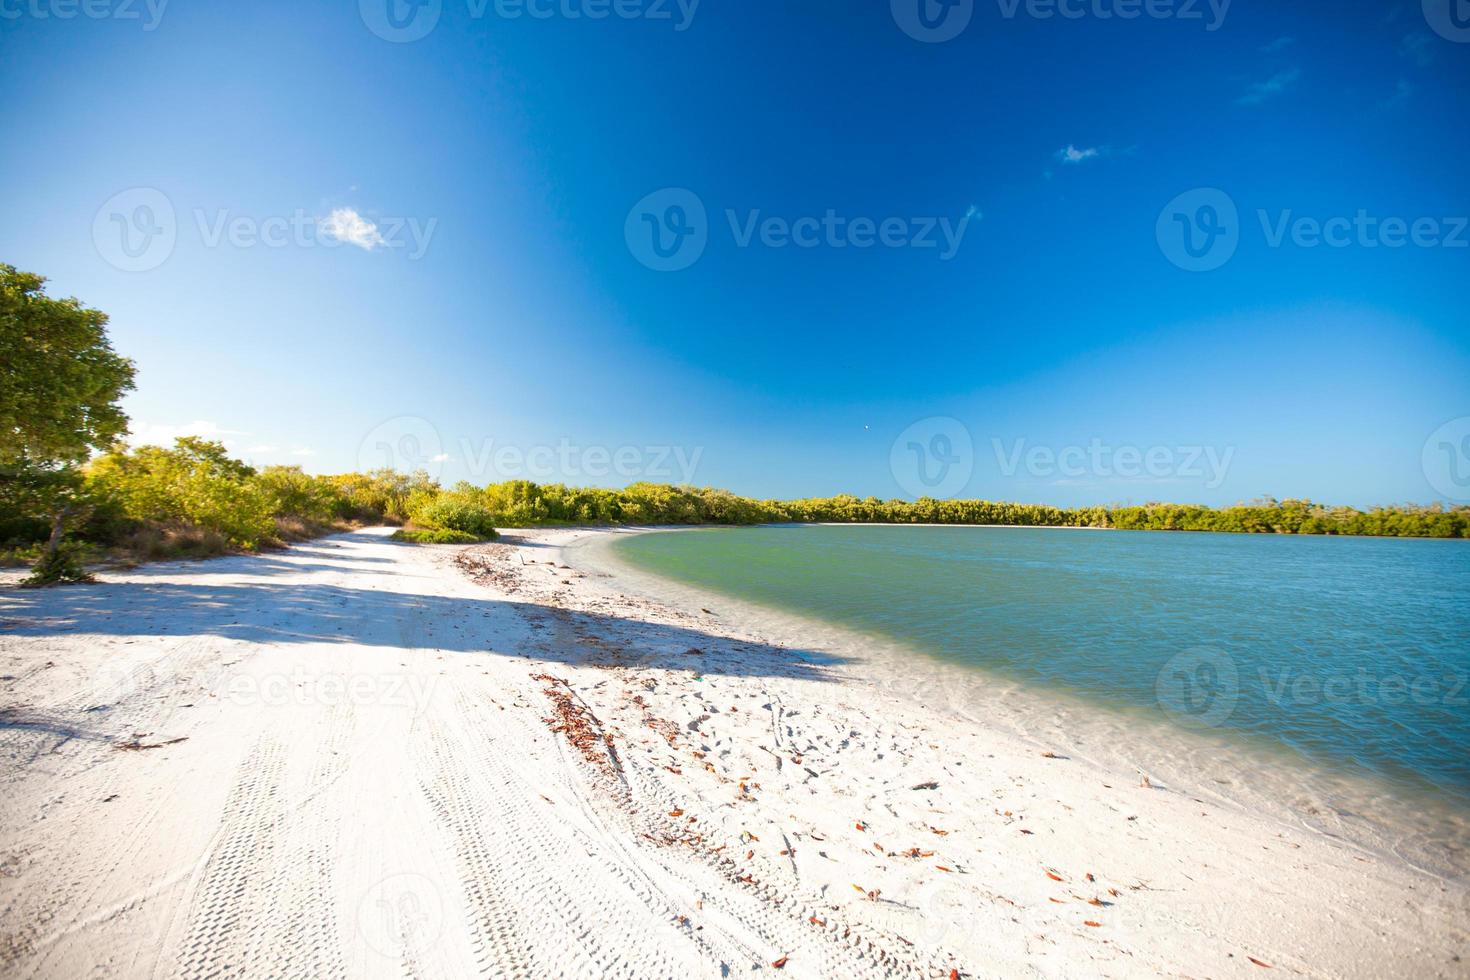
(359, 758)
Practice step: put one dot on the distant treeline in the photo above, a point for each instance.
(194, 499)
(521, 503)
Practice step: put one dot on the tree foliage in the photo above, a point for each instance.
(195, 483)
(60, 379)
(60, 382)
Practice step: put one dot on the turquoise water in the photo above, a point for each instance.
(1350, 652)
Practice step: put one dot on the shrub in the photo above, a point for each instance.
(157, 542)
(58, 567)
(193, 483)
(440, 536)
(453, 512)
(293, 494)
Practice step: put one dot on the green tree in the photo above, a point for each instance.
(60, 381)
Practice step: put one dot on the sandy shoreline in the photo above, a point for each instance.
(1394, 822)
(362, 758)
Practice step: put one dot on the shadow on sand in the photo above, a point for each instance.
(274, 614)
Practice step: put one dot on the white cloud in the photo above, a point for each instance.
(1261, 91)
(1071, 154)
(346, 225)
(441, 458)
(1277, 44)
(153, 434)
(302, 451)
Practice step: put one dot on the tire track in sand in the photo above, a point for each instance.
(539, 893)
(234, 890)
(265, 902)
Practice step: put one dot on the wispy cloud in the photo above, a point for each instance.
(346, 225)
(1073, 154)
(1261, 91)
(1418, 48)
(1401, 93)
(1278, 44)
(303, 451)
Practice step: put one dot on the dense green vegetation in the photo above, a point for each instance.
(522, 503)
(194, 500)
(70, 492)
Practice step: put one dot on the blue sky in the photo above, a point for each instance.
(428, 251)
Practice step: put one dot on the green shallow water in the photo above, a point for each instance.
(1350, 652)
